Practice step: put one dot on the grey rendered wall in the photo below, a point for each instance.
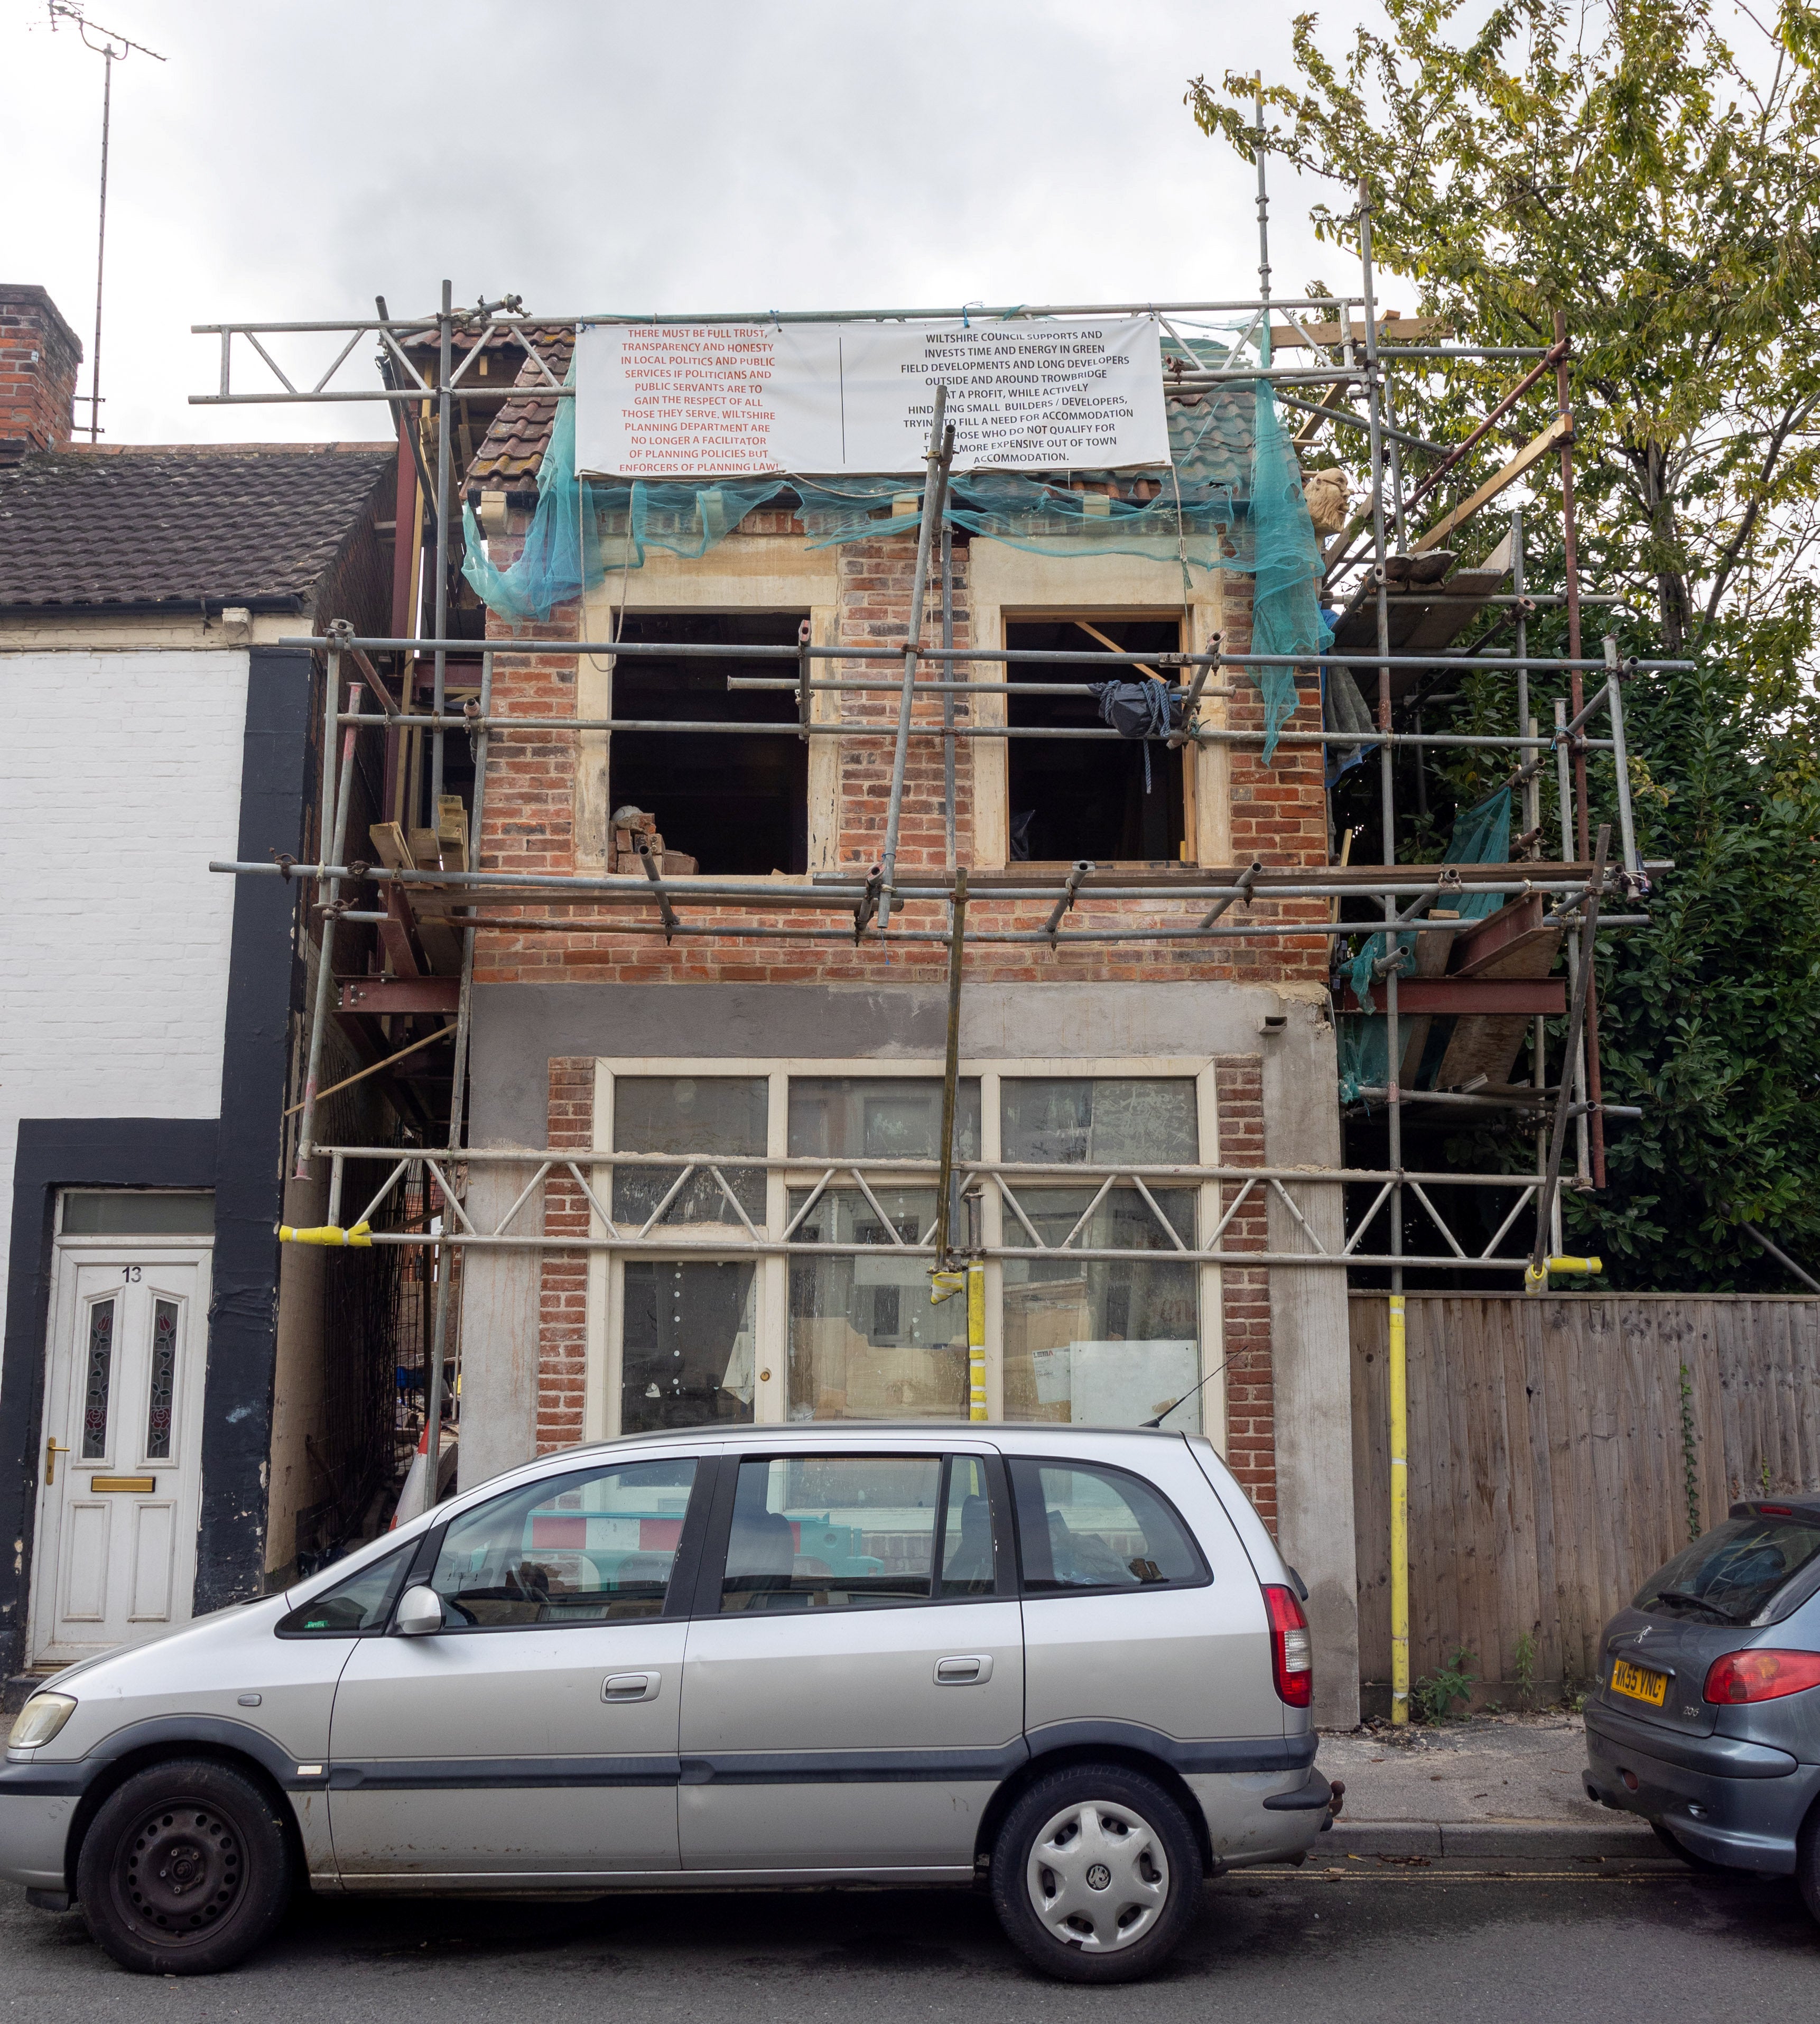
(519, 1028)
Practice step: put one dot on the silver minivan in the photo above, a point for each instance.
(1067, 1666)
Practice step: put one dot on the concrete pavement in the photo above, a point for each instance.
(1491, 1785)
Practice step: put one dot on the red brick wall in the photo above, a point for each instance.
(39, 357)
(1250, 1427)
(563, 1294)
(1278, 815)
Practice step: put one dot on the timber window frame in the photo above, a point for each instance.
(760, 1241)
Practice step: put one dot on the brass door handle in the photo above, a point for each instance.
(52, 1448)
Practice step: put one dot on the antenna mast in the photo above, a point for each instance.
(113, 48)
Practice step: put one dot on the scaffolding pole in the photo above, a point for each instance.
(941, 455)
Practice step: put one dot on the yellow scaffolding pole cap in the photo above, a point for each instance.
(945, 1285)
(329, 1233)
(1536, 1277)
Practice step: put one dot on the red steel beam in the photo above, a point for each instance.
(1533, 996)
(379, 995)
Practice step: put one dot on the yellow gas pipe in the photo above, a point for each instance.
(1399, 1515)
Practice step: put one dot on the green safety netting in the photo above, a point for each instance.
(1481, 835)
(1232, 499)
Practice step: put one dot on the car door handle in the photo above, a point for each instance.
(972, 1669)
(631, 1686)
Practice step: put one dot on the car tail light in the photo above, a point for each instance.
(1760, 1675)
(1291, 1648)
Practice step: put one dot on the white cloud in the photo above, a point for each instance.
(290, 160)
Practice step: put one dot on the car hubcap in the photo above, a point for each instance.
(181, 1871)
(1098, 1877)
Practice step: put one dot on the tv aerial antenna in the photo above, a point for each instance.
(112, 47)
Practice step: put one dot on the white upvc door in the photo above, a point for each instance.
(120, 1466)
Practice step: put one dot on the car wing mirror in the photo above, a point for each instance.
(419, 1612)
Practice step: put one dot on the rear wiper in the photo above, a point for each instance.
(1685, 1599)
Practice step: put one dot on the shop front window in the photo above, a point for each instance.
(686, 1353)
(1101, 1342)
(709, 1119)
(865, 1342)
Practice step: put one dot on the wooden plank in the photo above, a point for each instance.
(390, 847)
(1366, 1328)
(1522, 1607)
(1482, 1044)
(1558, 431)
(426, 848)
(1391, 330)
(1548, 1656)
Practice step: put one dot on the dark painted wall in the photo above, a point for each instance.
(249, 1175)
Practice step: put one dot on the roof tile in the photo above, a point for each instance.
(150, 524)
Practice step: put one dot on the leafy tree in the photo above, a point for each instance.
(1625, 168)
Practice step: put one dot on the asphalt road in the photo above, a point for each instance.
(1429, 1944)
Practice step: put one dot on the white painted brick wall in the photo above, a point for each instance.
(113, 934)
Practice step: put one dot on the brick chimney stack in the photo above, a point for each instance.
(39, 357)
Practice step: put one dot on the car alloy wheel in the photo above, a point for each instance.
(1098, 1876)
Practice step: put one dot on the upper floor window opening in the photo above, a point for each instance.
(739, 806)
(1071, 798)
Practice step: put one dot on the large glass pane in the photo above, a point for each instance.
(163, 1381)
(583, 1549)
(1102, 1342)
(97, 1380)
(1086, 1528)
(718, 1116)
(686, 1343)
(1086, 1121)
(866, 1341)
(880, 1117)
(831, 1531)
(138, 1212)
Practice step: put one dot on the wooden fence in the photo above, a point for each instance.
(1553, 1444)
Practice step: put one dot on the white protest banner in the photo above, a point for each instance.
(720, 400)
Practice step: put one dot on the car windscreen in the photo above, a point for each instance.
(1729, 1574)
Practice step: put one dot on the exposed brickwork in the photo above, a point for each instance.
(562, 1335)
(39, 357)
(1250, 1424)
(1278, 816)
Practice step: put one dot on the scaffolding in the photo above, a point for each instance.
(1378, 574)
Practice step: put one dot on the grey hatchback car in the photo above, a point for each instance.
(1706, 1720)
(1068, 1666)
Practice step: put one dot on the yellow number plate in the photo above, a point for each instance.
(1640, 1685)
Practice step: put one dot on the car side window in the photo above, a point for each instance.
(833, 1531)
(354, 1607)
(1082, 1527)
(595, 1546)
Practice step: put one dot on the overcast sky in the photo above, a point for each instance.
(292, 159)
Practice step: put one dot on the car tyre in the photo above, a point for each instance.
(1675, 1846)
(184, 1870)
(1807, 1863)
(1095, 1875)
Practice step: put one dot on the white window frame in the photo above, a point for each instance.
(715, 1241)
